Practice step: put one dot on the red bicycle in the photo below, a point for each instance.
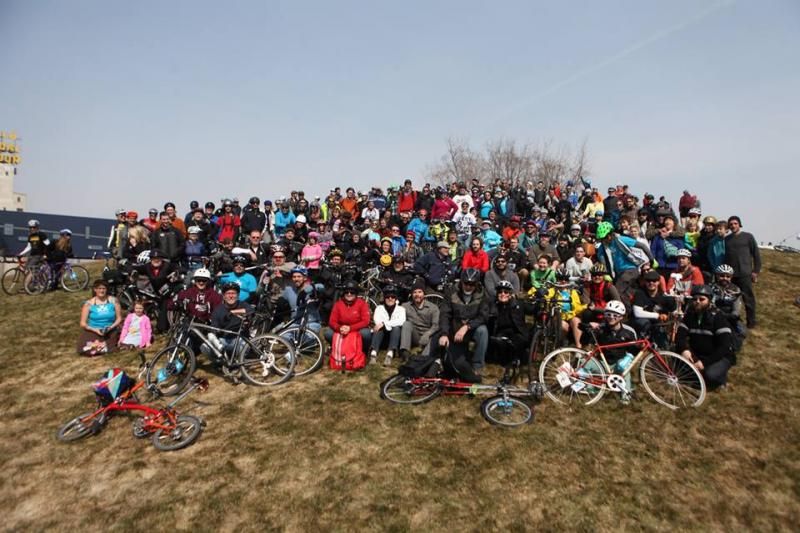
(505, 408)
(169, 430)
(571, 375)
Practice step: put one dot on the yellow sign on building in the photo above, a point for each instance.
(9, 150)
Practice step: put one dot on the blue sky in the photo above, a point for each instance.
(130, 104)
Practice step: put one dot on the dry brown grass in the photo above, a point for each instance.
(326, 453)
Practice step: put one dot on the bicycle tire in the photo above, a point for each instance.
(267, 360)
(80, 427)
(75, 279)
(171, 369)
(187, 429)
(400, 389)
(506, 412)
(36, 282)
(593, 379)
(435, 299)
(682, 382)
(13, 281)
(309, 350)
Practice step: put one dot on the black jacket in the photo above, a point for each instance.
(707, 334)
(454, 312)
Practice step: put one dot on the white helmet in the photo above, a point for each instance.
(201, 273)
(695, 211)
(143, 257)
(683, 252)
(615, 306)
(33, 223)
(301, 218)
(194, 229)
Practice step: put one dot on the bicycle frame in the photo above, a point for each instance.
(645, 347)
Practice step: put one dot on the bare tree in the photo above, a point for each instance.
(508, 163)
(459, 163)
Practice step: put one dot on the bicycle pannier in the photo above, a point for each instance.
(112, 385)
(347, 351)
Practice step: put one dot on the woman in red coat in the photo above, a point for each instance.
(349, 313)
(475, 257)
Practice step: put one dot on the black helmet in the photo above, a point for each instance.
(701, 290)
(598, 268)
(255, 200)
(562, 276)
(194, 204)
(239, 260)
(210, 205)
(471, 275)
(230, 287)
(350, 286)
(504, 285)
(389, 290)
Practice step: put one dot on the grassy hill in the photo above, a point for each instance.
(325, 452)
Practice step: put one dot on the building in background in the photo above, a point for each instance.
(10, 200)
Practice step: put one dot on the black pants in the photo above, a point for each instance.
(716, 374)
(745, 283)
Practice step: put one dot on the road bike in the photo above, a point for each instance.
(13, 281)
(265, 360)
(574, 376)
(72, 278)
(168, 430)
(506, 407)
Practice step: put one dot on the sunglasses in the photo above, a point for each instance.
(612, 315)
(504, 291)
(349, 293)
(279, 257)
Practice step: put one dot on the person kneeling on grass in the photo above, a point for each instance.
(705, 337)
(389, 319)
(613, 331)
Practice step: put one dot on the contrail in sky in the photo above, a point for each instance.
(625, 52)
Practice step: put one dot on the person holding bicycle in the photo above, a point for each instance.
(705, 337)
(38, 245)
(246, 281)
(622, 257)
(228, 317)
(301, 296)
(651, 306)
(60, 252)
(201, 299)
(613, 331)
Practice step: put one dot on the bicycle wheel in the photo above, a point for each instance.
(401, 389)
(672, 380)
(75, 278)
(81, 426)
(171, 369)
(435, 299)
(13, 281)
(570, 376)
(36, 282)
(267, 360)
(309, 350)
(187, 429)
(508, 412)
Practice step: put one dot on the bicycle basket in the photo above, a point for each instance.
(112, 385)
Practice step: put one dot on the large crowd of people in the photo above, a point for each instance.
(619, 259)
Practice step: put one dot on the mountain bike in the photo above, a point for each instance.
(547, 333)
(72, 278)
(574, 376)
(168, 430)
(13, 281)
(505, 407)
(265, 360)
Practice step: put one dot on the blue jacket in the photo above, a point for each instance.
(664, 250)
(246, 282)
(491, 239)
(419, 228)
(716, 252)
(283, 221)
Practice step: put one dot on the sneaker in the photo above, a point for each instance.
(373, 357)
(388, 360)
(625, 399)
(404, 354)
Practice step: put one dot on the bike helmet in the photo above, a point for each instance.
(143, 257)
(210, 205)
(239, 260)
(701, 290)
(156, 254)
(119, 212)
(471, 275)
(562, 276)
(604, 229)
(695, 211)
(255, 200)
(709, 220)
(33, 223)
(193, 230)
(65, 231)
(351, 286)
(683, 252)
(299, 270)
(504, 285)
(194, 204)
(154, 211)
(226, 202)
(386, 260)
(616, 307)
(335, 253)
(724, 269)
(230, 287)
(598, 268)
(301, 219)
(201, 273)
(277, 248)
(389, 290)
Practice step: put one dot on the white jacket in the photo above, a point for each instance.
(397, 319)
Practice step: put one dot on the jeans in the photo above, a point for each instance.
(716, 374)
(410, 337)
(228, 346)
(366, 334)
(479, 335)
(393, 336)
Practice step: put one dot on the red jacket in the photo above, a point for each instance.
(356, 315)
(229, 226)
(478, 260)
(444, 209)
(405, 202)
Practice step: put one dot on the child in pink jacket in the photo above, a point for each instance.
(136, 331)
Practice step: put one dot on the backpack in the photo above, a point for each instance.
(347, 351)
(111, 385)
(418, 366)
